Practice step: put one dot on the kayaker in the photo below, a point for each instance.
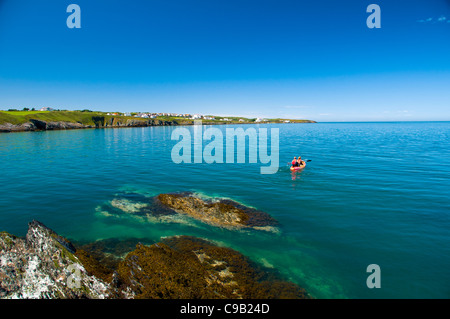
(294, 162)
(300, 162)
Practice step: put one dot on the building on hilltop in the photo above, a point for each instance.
(46, 109)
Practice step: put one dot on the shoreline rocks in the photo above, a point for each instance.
(104, 122)
(98, 122)
(43, 265)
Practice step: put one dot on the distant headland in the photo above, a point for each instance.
(45, 119)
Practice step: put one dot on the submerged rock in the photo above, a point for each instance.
(102, 257)
(140, 207)
(186, 207)
(218, 212)
(43, 265)
(186, 267)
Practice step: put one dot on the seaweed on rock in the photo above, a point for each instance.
(218, 212)
(186, 267)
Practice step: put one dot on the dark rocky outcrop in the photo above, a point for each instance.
(99, 121)
(64, 126)
(39, 125)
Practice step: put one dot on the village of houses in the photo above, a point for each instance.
(186, 116)
(148, 115)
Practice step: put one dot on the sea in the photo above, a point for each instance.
(371, 194)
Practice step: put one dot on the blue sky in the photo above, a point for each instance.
(296, 59)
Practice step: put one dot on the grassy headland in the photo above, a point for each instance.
(21, 117)
(14, 120)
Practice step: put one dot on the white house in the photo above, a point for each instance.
(46, 109)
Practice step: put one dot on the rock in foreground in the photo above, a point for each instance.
(43, 265)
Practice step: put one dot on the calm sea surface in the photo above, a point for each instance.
(374, 193)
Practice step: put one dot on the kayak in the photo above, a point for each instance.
(298, 168)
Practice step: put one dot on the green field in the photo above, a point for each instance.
(20, 117)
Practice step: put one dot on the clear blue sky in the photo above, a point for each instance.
(298, 59)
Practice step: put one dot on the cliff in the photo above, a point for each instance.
(95, 122)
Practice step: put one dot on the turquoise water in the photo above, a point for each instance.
(374, 193)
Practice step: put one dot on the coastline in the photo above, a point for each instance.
(35, 125)
(99, 122)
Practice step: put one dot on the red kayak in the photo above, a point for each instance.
(298, 168)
